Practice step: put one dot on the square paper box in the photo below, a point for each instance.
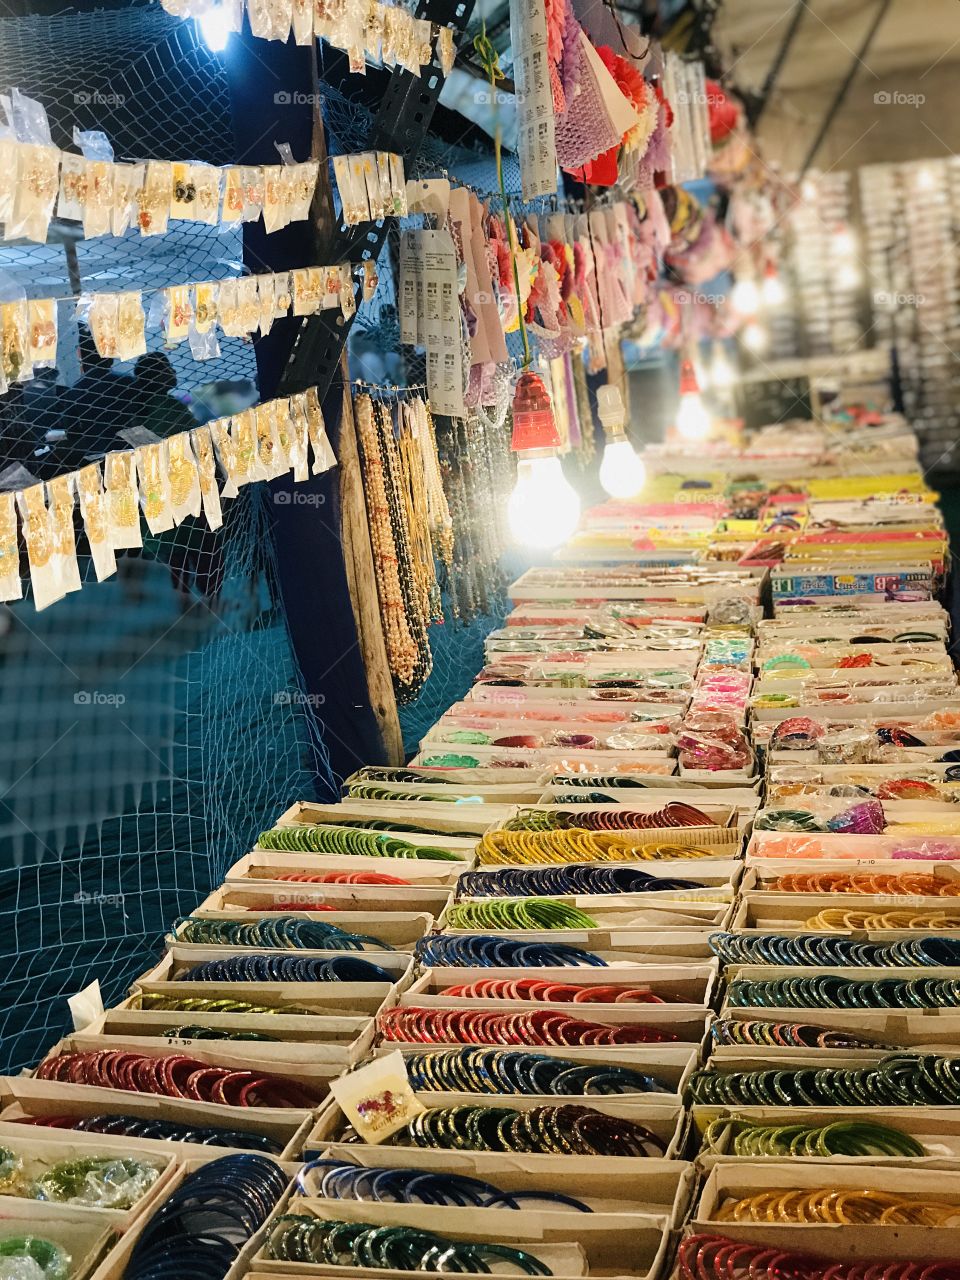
(86, 1234)
(667, 1124)
(741, 1179)
(570, 1244)
(25, 1098)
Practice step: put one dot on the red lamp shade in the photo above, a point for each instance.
(689, 386)
(534, 426)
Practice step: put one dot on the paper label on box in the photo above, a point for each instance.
(86, 1006)
(377, 1098)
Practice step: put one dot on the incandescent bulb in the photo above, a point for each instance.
(215, 27)
(544, 508)
(772, 290)
(622, 472)
(693, 421)
(755, 338)
(722, 373)
(745, 298)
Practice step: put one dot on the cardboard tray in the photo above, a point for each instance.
(686, 987)
(274, 897)
(428, 817)
(422, 874)
(398, 931)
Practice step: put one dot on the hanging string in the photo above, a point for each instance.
(490, 61)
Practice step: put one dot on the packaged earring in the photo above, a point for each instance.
(283, 295)
(154, 486)
(123, 507)
(183, 191)
(99, 311)
(42, 320)
(8, 177)
(266, 301)
(128, 182)
(93, 509)
(38, 173)
(15, 341)
(222, 439)
(44, 578)
(203, 330)
(252, 192)
(376, 202)
(377, 1098)
(73, 187)
(178, 314)
(347, 296)
(243, 432)
(196, 193)
(248, 305)
(98, 205)
(60, 499)
(154, 197)
(233, 194)
(373, 31)
(303, 21)
(261, 19)
(370, 279)
(273, 211)
(352, 190)
(11, 588)
(183, 481)
(325, 283)
(306, 298)
(323, 456)
(207, 476)
(446, 50)
(280, 18)
(423, 38)
(271, 463)
(228, 309)
(304, 185)
(131, 326)
(398, 186)
(295, 418)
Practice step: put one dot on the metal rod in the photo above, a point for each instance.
(776, 66)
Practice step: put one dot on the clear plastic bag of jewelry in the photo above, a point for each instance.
(99, 195)
(272, 462)
(298, 451)
(446, 50)
(41, 552)
(378, 200)
(283, 421)
(100, 311)
(37, 178)
(323, 456)
(353, 195)
(184, 481)
(266, 301)
(42, 318)
(11, 588)
(123, 500)
(155, 198)
(15, 362)
(373, 28)
(225, 446)
(302, 18)
(233, 187)
(154, 486)
(195, 193)
(207, 476)
(60, 504)
(73, 187)
(9, 148)
(346, 293)
(253, 184)
(283, 295)
(304, 184)
(274, 213)
(128, 180)
(228, 309)
(248, 305)
(306, 298)
(131, 325)
(93, 509)
(203, 326)
(243, 433)
(178, 314)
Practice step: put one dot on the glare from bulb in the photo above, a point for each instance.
(772, 291)
(926, 180)
(215, 27)
(722, 373)
(745, 298)
(544, 508)
(622, 472)
(755, 338)
(844, 244)
(693, 420)
(848, 277)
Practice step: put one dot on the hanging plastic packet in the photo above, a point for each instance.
(233, 194)
(98, 208)
(154, 487)
(42, 319)
(302, 19)
(128, 180)
(261, 19)
(326, 281)
(47, 587)
(9, 147)
(370, 177)
(37, 177)
(154, 198)
(266, 301)
(11, 588)
(273, 210)
(370, 279)
(323, 456)
(446, 50)
(73, 187)
(178, 314)
(203, 325)
(186, 183)
(221, 436)
(100, 311)
(253, 184)
(304, 187)
(283, 295)
(93, 509)
(346, 292)
(306, 298)
(272, 462)
(243, 432)
(15, 363)
(292, 422)
(207, 476)
(373, 31)
(123, 509)
(228, 309)
(131, 325)
(60, 498)
(182, 478)
(377, 1098)
(248, 305)
(353, 198)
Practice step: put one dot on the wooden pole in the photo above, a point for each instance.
(358, 559)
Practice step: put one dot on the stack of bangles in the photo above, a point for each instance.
(550, 992)
(509, 882)
(787, 1035)
(349, 840)
(529, 1026)
(833, 949)
(199, 1004)
(175, 1076)
(564, 1129)
(906, 885)
(486, 951)
(502, 1071)
(336, 1180)
(290, 968)
(533, 847)
(517, 914)
(796, 733)
(849, 1208)
(864, 819)
(703, 1257)
(898, 1081)
(843, 920)
(674, 814)
(324, 1242)
(163, 1130)
(830, 991)
(751, 1139)
(285, 933)
(338, 877)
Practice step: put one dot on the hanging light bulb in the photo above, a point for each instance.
(544, 508)
(772, 291)
(722, 373)
(844, 244)
(215, 26)
(622, 472)
(745, 298)
(693, 420)
(848, 276)
(755, 338)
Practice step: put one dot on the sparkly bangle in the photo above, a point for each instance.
(511, 1071)
(258, 967)
(439, 950)
(482, 1026)
(282, 932)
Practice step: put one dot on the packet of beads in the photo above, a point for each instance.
(38, 169)
(377, 1098)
